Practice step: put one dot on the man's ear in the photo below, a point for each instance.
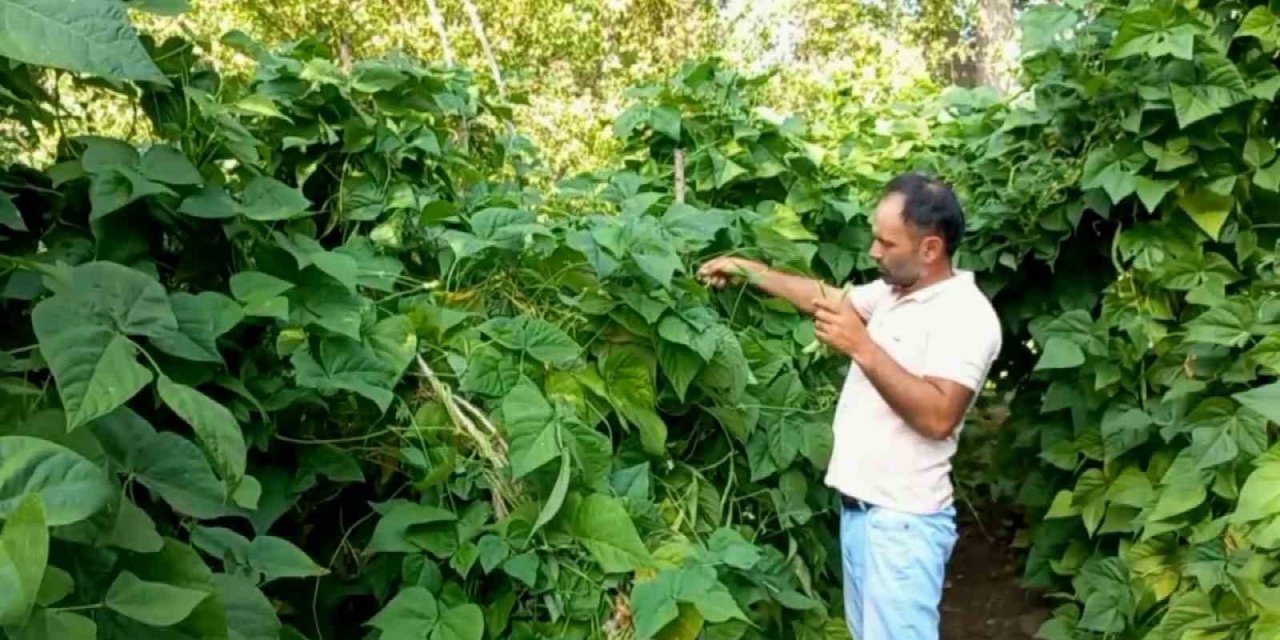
(934, 248)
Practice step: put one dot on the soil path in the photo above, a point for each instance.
(983, 599)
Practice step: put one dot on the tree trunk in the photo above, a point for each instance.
(437, 21)
(478, 26)
(995, 32)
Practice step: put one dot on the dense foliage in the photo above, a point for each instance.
(322, 363)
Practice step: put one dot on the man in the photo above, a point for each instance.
(922, 339)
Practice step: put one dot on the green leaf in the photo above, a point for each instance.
(539, 338)
(1113, 170)
(113, 190)
(213, 424)
(250, 615)
(1209, 210)
(321, 301)
(490, 372)
(24, 552)
(732, 549)
(1264, 400)
(9, 214)
(56, 585)
(532, 429)
(224, 544)
(70, 487)
(161, 7)
(89, 36)
(1151, 191)
(1154, 33)
(723, 169)
(391, 533)
(278, 558)
(411, 615)
(344, 364)
(666, 120)
(523, 567)
(260, 293)
(1260, 495)
(628, 374)
(602, 524)
(133, 530)
(1262, 24)
(395, 343)
(267, 199)
(680, 365)
(465, 622)
(165, 463)
(558, 492)
(47, 624)
(82, 332)
(154, 603)
(210, 203)
(1124, 430)
(1229, 324)
(493, 551)
(202, 319)
(1218, 86)
(1060, 353)
(163, 163)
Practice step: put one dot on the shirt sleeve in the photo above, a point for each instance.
(963, 349)
(866, 297)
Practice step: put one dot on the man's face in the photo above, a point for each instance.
(899, 249)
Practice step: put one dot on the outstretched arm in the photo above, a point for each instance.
(798, 290)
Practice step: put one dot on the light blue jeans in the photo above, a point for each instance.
(894, 563)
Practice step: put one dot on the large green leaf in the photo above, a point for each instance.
(9, 214)
(250, 615)
(70, 487)
(24, 550)
(166, 463)
(464, 622)
(532, 429)
(261, 294)
(82, 336)
(344, 364)
(321, 301)
(90, 36)
(411, 615)
(628, 374)
(1264, 400)
(1262, 24)
(278, 558)
(49, 624)
(202, 319)
(602, 524)
(154, 603)
(1260, 496)
(213, 424)
(1218, 85)
(399, 518)
(539, 338)
(267, 199)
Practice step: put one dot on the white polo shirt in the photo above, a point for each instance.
(946, 330)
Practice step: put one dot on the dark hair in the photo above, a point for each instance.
(930, 206)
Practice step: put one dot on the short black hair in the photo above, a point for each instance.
(930, 206)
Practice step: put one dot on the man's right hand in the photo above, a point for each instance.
(723, 270)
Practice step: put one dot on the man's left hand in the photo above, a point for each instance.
(839, 326)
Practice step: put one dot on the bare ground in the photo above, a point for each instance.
(983, 599)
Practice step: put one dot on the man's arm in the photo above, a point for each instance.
(798, 290)
(930, 405)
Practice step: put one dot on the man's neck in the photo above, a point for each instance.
(928, 279)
